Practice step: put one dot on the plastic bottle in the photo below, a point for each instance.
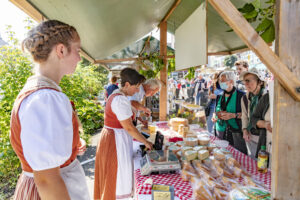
(262, 161)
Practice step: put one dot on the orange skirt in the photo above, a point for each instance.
(106, 166)
(26, 189)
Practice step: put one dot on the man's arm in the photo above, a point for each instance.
(140, 107)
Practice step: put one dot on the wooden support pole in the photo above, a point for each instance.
(163, 98)
(286, 130)
(247, 33)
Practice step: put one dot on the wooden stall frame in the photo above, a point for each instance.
(285, 136)
(163, 98)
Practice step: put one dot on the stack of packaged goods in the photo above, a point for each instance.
(214, 173)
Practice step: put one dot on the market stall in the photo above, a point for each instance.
(98, 43)
(248, 174)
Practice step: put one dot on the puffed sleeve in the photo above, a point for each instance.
(121, 106)
(46, 129)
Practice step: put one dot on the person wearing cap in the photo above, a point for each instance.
(241, 67)
(254, 85)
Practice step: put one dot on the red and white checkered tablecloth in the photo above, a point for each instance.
(183, 189)
(250, 166)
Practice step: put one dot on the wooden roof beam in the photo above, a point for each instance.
(29, 10)
(116, 60)
(223, 53)
(166, 17)
(128, 59)
(247, 33)
(88, 57)
(105, 67)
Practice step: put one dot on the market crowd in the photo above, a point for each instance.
(236, 105)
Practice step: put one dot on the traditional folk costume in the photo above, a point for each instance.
(45, 135)
(114, 156)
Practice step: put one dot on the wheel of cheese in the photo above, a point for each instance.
(175, 122)
(203, 140)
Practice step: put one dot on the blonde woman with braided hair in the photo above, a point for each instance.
(44, 125)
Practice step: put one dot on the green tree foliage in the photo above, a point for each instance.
(255, 12)
(82, 88)
(230, 60)
(14, 71)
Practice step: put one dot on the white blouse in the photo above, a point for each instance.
(46, 129)
(121, 106)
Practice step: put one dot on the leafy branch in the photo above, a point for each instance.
(153, 64)
(254, 12)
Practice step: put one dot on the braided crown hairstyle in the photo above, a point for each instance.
(41, 39)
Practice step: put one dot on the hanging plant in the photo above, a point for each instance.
(154, 64)
(171, 64)
(254, 12)
(191, 73)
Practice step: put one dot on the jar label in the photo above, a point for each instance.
(262, 163)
